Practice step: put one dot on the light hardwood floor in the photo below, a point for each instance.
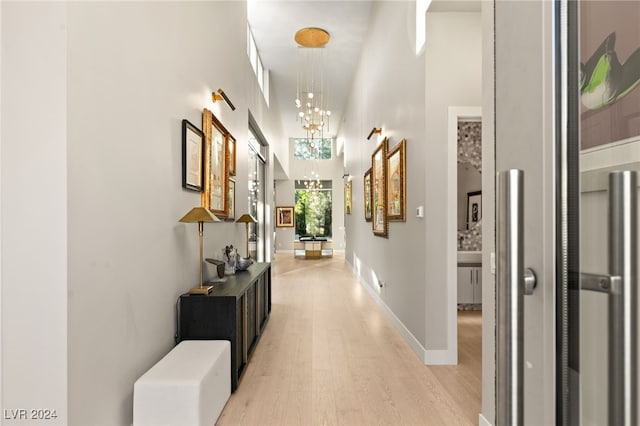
(329, 356)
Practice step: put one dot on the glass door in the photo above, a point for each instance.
(256, 198)
(567, 158)
(603, 140)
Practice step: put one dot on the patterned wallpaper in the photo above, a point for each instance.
(470, 143)
(470, 151)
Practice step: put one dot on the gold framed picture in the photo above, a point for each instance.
(284, 217)
(379, 222)
(216, 187)
(232, 199)
(231, 149)
(396, 183)
(347, 198)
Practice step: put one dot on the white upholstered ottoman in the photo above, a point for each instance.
(189, 386)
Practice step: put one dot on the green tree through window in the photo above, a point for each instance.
(313, 211)
(312, 149)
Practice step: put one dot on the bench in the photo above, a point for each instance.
(189, 386)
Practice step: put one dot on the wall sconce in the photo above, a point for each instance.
(376, 130)
(219, 95)
(348, 176)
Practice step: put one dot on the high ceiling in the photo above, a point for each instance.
(274, 24)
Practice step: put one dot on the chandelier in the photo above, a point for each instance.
(313, 113)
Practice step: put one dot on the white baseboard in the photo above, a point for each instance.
(413, 343)
(482, 421)
(428, 356)
(440, 357)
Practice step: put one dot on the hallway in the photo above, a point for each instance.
(330, 356)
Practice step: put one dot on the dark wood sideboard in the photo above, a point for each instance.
(236, 310)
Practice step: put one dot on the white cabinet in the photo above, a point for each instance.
(469, 284)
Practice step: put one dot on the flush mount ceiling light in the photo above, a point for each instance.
(312, 37)
(310, 94)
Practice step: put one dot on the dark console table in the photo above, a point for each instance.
(236, 310)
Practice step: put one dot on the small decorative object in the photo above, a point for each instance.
(396, 183)
(246, 219)
(219, 266)
(230, 256)
(242, 263)
(347, 198)
(200, 215)
(192, 156)
(474, 208)
(284, 217)
(216, 185)
(367, 195)
(379, 190)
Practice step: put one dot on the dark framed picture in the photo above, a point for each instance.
(192, 156)
(396, 183)
(284, 217)
(474, 208)
(367, 195)
(379, 222)
(231, 149)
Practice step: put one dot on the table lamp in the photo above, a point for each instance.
(200, 215)
(246, 219)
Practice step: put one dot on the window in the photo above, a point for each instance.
(312, 149)
(313, 210)
(262, 75)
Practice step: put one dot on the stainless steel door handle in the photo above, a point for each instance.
(510, 299)
(623, 255)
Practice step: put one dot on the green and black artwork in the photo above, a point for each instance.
(603, 79)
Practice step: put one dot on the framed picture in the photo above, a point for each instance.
(347, 198)
(216, 187)
(192, 156)
(367, 195)
(396, 183)
(379, 190)
(609, 67)
(474, 208)
(232, 199)
(284, 217)
(231, 149)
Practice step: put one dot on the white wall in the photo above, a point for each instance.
(93, 256)
(453, 54)
(408, 97)
(285, 194)
(34, 210)
(388, 92)
(129, 257)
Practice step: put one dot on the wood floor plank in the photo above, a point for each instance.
(329, 356)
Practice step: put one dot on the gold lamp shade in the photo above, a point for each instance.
(200, 215)
(247, 219)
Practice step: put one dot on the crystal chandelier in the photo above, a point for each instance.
(311, 98)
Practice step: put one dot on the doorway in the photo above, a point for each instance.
(465, 231)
